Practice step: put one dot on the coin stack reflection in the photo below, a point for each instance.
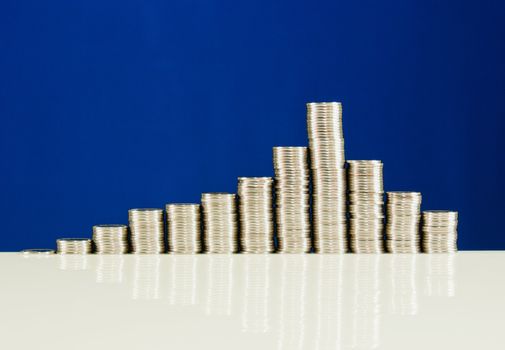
(366, 206)
(74, 246)
(110, 239)
(403, 216)
(110, 269)
(256, 214)
(183, 223)
(326, 140)
(147, 235)
(440, 231)
(292, 199)
(220, 222)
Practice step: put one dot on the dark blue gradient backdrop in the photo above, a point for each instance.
(110, 105)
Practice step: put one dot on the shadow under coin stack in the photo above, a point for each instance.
(110, 239)
(326, 140)
(366, 200)
(220, 223)
(292, 199)
(147, 235)
(256, 215)
(440, 231)
(74, 246)
(184, 233)
(402, 227)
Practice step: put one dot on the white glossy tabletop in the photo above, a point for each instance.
(253, 302)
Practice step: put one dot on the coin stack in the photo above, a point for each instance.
(110, 239)
(403, 216)
(256, 214)
(292, 199)
(440, 231)
(74, 246)
(326, 140)
(146, 226)
(38, 251)
(220, 223)
(183, 223)
(366, 206)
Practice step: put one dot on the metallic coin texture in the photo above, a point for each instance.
(74, 246)
(256, 215)
(440, 231)
(292, 201)
(366, 201)
(326, 144)
(402, 226)
(110, 239)
(37, 251)
(220, 225)
(147, 231)
(184, 228)
(316, 202)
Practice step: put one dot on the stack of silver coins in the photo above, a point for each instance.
(366, 201)
(292, 199)
(326, 141)
(110, 239)
(440, 231)
(184, 233)
(402, 227)
(147, 234)
(220, 228)
(38, 252)
(256, 214)
(74, 246)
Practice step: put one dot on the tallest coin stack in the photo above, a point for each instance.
(326, 142)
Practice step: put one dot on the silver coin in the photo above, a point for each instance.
(37, 251)
(184, 228)
(366, 206)
(74, 246)
(403, 218)
(327, 160)
(110, 239)
(220, 223)
(440, 231)
(147, 230)
(292, 199)
(256, 214)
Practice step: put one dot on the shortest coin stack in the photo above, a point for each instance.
(183, 223)
(37, 251)
(74, 246)
(403, 216)
(440, 231)
(110, 239)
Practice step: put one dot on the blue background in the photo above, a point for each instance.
(110, 105)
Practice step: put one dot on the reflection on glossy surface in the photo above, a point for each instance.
(329, 310)
(293, 301)
(146, 277)
(255, 314)
(221, 284)
(183, 280)
(440, 275)
(109, 269)
(73, 262)
(254, 301)
(403, 284)
(365, 298)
